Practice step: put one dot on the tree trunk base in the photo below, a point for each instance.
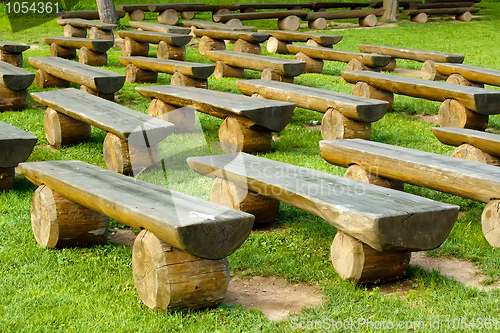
(312, 65)
(365, 90)
(453, 114)
(236, 137)
(62, 130)
(471, 153)
(13, 58)
(357, 172)
(7, 176)
(246, 47)
(166, 51)
(269, 74)
(336, 126)
(183, 118)
(134, 74)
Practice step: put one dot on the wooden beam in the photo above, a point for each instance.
(343, 14)
(158, 27)
(16, 145)
(77, 43)
(82, 23)
(251, 37)
(86, 14)
(411, 54)
(191, 69)
(334, 4)
(15, 78)
(487, 142)
(215, 26)
(439, 11)
(259, 15)
(317, 52)
(471, 73)
(276, 5)
(155, 37)
(294, 36)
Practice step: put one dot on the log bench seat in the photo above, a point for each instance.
(248, 122)
(232, 64)
(375, 162)
(59, 72)
(246, 41)
(70, 112)
(346, 116)
(377, 227)
(421, 14)
(144, 69)
(12, 52)
(179, 257)
(252, 7)
(366, 17)
(16, 146)
(158, 27)
(78, 28)
(170, 46)
(86, 14)
(287, 19)
(463, 106)
(92, 51)
(468, 75)
(279, 39)
(14, 83)
(216, 26)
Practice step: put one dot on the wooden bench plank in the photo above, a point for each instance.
(353, 107)
(440, 11)
(294, 36)
(487, 142)
(82, 23)
(316, 52)
(343, 14)
(471, 73)
(86, 14)
(259, 15)
(16, 145)
(13, 47)
(158, 27)
(190, 224)
(385, 219)
(275, 5)
(257, 62)
(95, 78)
(251, 37)
(412, 54)
(155, 37)
(192, 69)
(215, 26)
(15, 78)
(336, 4)
(95, 45)
(272, 115)
(420, 5)
(196, 7)
(482, 101)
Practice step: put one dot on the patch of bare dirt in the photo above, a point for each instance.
(408, 72)
(427, 118)
(121, 237)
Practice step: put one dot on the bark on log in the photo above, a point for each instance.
(167, 51)
(7, 178)
(107, 11)
(134, 74)
(132, 48)
(223, 70)
(62, 130)
(179, 79)
(358, 172)
(269, 74)
(365, 90)
(490, 222)
(471, 153)
(452, 113)
(57, 51)
(207, 43)
(289, 23)
(183, 118)
(45, 80)
(91, 58)
(336, 126)
(236, 137)
(275, 45)
(312, 65)
(246, 47)
(13, 99)
(71, 31)
(96, 33)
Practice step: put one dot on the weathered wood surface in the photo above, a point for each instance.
(321, 100)
(294, 36)
(411, 54)
(275, 5)
(439, 11)
(471, 73)
(467, 179)
(15, 145)
(95, 78)
(86, 14)
(13, 47)
(196, 7)
(258, 62)
(215, 26)
(123, 122)
(272, 115)
(154, 37)
(158, 27)
(259, 15)
(196, 226)
(192, 69)
(82, 23)
(334, 4)
(252, 37)
(318, 52)
(385, 219)
(15, 78)
(343, 14)
(487, 142)
(482, 101)
(426, 5)
(96, 45)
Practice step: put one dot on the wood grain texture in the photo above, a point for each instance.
(207, 43)
(82, 23)
(215, 26)
(191, 69)
(385, 219)
(489, 221)
(86, 14)
(167, 51)
(336, 126)
(488, 142)
(456, 78)
(16, 145)
(234, 136)
(77, 43)
(71, 31)
(190, 224)
(15, 78)
(275, 5)
(412, 54)
(45, 80)
(471, 73)
(259, 15)
(242, 45)
(15, 59)
(13, 100)
(295, 36)
(62, 130)
(343, 14)
(169, 17)
(158, 27)
(471, 153)
(252, 37)
(13, 47)
(440, 11)
(92, 58)
(154, 37)
(313, 65)
(452, 113)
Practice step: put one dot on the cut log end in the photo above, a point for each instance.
(167, 51)
(368, 21)
(246, 47)
(471, 153)
(312, 65)
(269, 74)
(134, 74)
(136, 15)
(490, 222)
(317, 24)
(275, 45)
(456, 78)
(132, 48)
(336, 126)
(391, 66)
(183, 118)
(6, 178)
(223, 70)
(429, 72)
(452, 113)
(169, 17)
(289, 23)
(62, 130)
(357, 172)
(236, 137)
(71, 31)
(179, 79)
(188, 15)
(465, 17)
(207, 44)
(419, 18)
(235, 22)
(92, 58)
(365, 90)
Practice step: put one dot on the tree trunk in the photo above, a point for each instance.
(391, 10)
(107, 11)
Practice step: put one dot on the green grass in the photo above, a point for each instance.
(92, 289)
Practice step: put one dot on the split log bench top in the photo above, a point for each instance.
(386, 220)
(86, 14)
(16, 146)
(287, 19)
(92, 51)
(472, 180)
(337, 4)
(158, 27)
(170, 46)
(14, 83)
(295, 36)
(178, 259)
(367, 17)
(76, 27)
(421, 14)
(12, 53)
(346, 116)
(82, 23)
(77, 43)
(154, 37)
(275, 5)
(473, 75)
(215, 26)
(94, 80)
(248, 122)
(246, 41)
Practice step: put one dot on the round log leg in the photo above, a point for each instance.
(223, 70)
(290, 23)
(358, 262)
(134, 74)
(357, 172)
(465, 17)
(269, 74)
(132, 48)
(92, 58)
(62, 130)
(490, 222)
(246, 47)
(183, 118)
(429, 72)
(207, 44)
(312, 65)
(45, 80)
(221, 11)
(471, 153)
(13, 100)
(57, 51)
(58, 222)
(235, 22)
(459, 79)
(317, 24)
(236, 137)
(337, 126)
(136, 15)
(169, 17)
(170, 279)
(226, 193)
(419, 18)
(7, 178)
(453, 114)
(368, 21)
(179, 79)
(391, 66)
(109, 97)
(71, 31)
(365, 90)
(96, 33)
(356, 65)
(188, 15)
(166, 51)
(13, 58)
(275, 45)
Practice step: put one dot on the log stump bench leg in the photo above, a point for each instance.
(365, 90)
(312, 65)
(183, 118)
(419, 18)
(368, 21)
(465, 17)
(7, 178)
(226, 193)
(45, 80)
(246, 47)
(269, 74)
(356, 65)
(490, 221)
(134, 74)
(452, 113)
(456, 78)
(72, 31)
(289, 23)
(429, 72)
(317, 24)
(234, 137)
(209, 44)
(96, 33)
(167, 278)
(472, 153)
(13, 58)
(223, 70)
(167, 51)
(62, 130)
(179, 79)
(169, 17)
(12, 100)
(136, 15)
(58, 222)
(371, 176)
(92, 58)
(275, 45)
(391, 66)
(58, 51)
(109, 97)
(132, 48)
(336, 126)
(188, 15)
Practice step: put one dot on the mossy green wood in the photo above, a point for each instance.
(77, 43)
(251, 37)
(296, 36)
(192, 69)
(154, 37)
(15, 78)
(412, 54)
(487, 142)
(16, 145)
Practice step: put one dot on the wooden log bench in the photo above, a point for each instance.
(158, 27)
(287, 19)
(356, 61)
(248, 122)
(170, 14)
(92, 51)
(71, 112)
(252, 7)
(279, 39)
(179, 257)
(232, 64)
(15, 147)
(14, 83)
(421, 15)
(12, 53)
(246, 41)
(144, 69)
(78, 28)
(366, 17)
(346, 116)
(217, 26)
(170, 46)
(377, 227)
(86, 14)
(429, 58)
(468, 75)
(375, 162)
(463, 106)
(59, 72)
